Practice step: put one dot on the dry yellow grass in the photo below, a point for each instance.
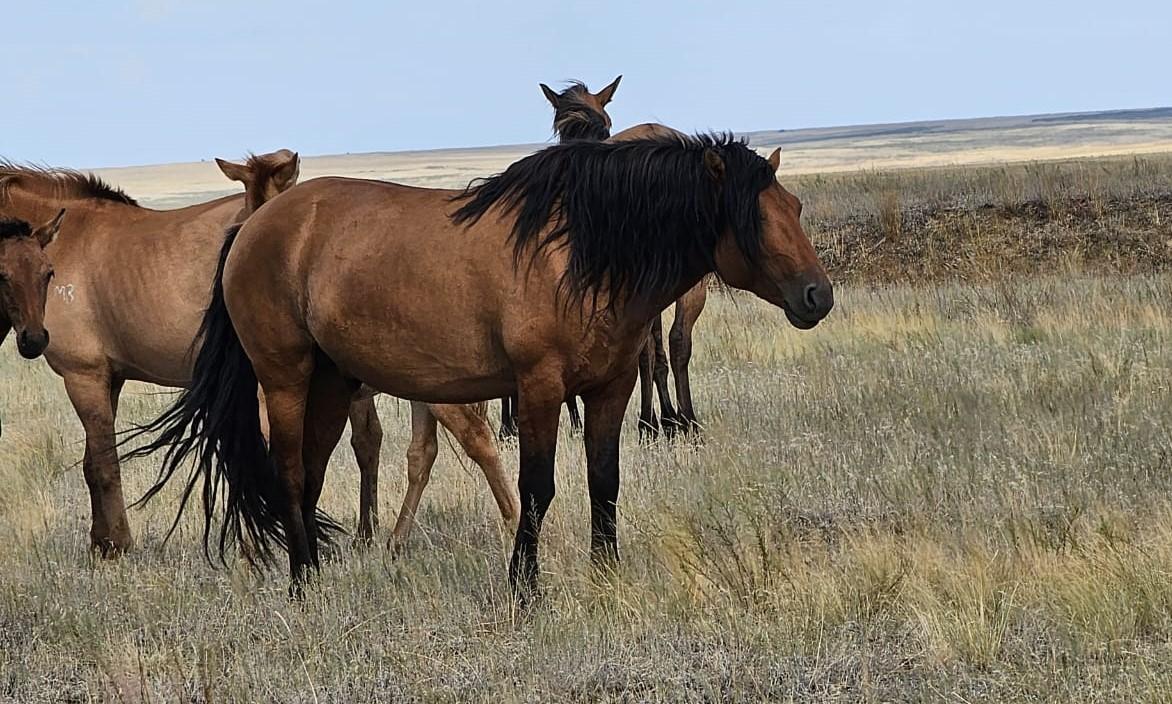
(938, 494)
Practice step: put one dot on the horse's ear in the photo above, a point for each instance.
(775, 159)
(550, 95)
(714, 164)
(46, 233)
(236, 172)
(604, 96)
(286, 174)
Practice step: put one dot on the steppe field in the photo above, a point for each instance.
(956, 488)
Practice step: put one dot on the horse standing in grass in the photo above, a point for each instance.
(580, 114)
(577, 114)
(550, 276)
(130, 290)
(268, 175)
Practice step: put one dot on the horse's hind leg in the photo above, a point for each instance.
(508, 418)
(421, 455)
(366, 438)
(648, 423)
(688, 310)
(466, 423)
(286, 380)
(669, 418)
(575, 415)
(326, 409)
(95, 399)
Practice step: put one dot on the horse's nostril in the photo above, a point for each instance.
(812, 296)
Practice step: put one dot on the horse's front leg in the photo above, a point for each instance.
(605, 408)
(539, 403)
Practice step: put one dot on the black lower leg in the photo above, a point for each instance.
(575, 416)
(538, 424)
(604, 424)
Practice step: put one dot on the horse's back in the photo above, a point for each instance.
(371, 269)
(647, 130)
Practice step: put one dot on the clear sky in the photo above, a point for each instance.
(90, 84)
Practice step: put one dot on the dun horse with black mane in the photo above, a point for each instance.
(552, 272)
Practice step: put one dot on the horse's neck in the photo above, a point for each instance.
(641, 312)
(30, 206)
(37, 208)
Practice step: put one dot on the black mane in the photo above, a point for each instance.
(633, 215)
(63, 182)
(575, 119)
(11, 228)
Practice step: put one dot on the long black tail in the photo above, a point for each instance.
(216, 421)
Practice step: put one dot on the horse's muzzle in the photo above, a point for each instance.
(32, 344)
(812, 306)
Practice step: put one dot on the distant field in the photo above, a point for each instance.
(957, 488)
(874, 147)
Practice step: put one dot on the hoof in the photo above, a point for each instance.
(109, 548)
(506, 433)
(648, 431)
(673, 427)
(364, 538)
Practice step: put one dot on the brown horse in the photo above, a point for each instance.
(577, 114)
(550, 275)
(268, 175)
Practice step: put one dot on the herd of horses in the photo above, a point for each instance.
(283, 311)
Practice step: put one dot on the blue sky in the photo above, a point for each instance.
(91, 84)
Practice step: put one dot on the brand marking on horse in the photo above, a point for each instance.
(66, 291)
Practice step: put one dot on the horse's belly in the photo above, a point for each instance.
(418, 359)
(152, 345)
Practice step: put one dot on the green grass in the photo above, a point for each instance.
(955, 492)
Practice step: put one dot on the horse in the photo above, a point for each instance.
(577, 114)
(268, 175)
(130, 291)
(550, 274)
(580, 114)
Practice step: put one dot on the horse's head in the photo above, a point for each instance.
(776, 261)
(580, 114)
(25, 272)
(264, 176)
